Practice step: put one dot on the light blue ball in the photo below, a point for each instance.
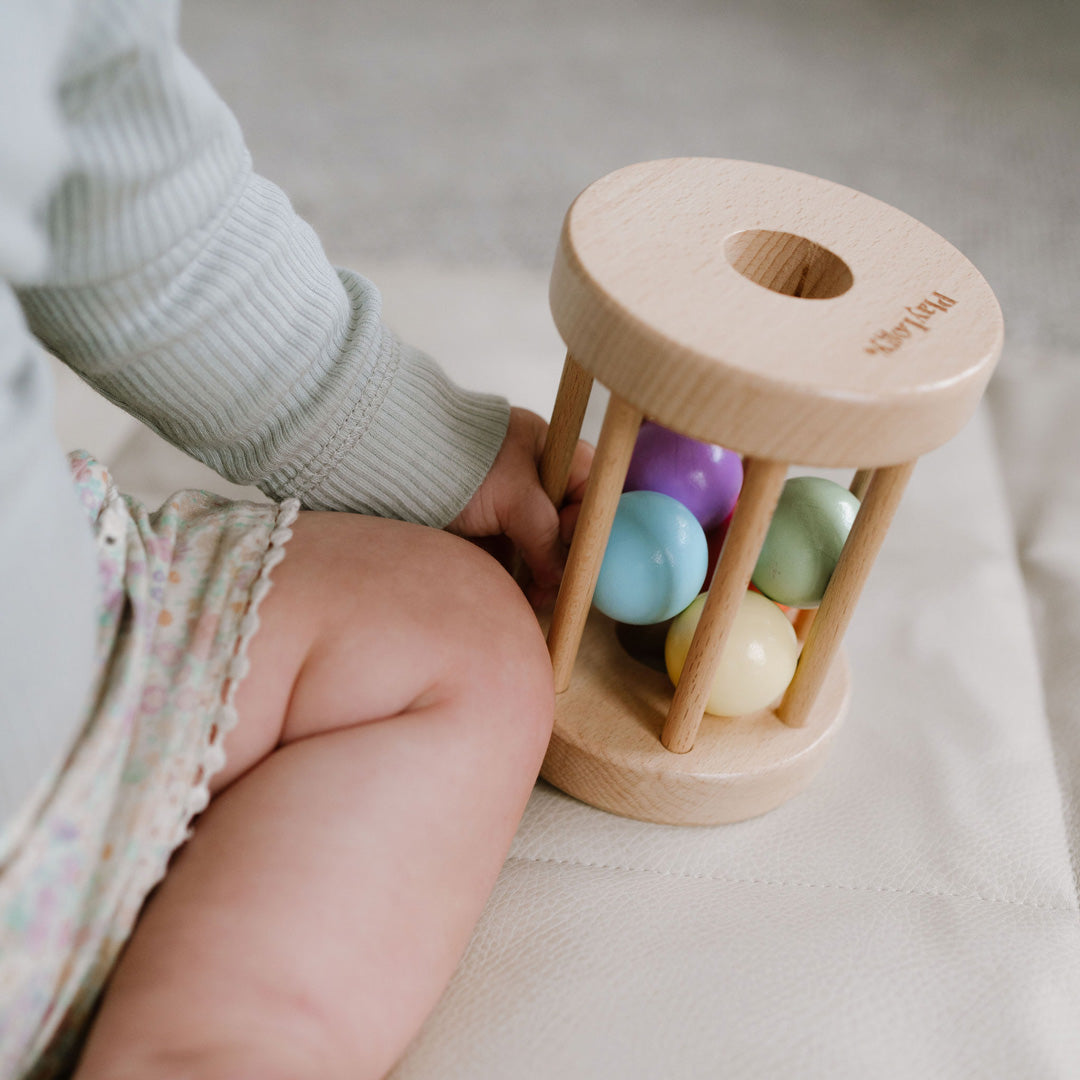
(655, 560)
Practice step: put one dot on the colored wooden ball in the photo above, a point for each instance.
(758, 660)
(715, 540)
(654, 563)
(807, 532)
(704, 477)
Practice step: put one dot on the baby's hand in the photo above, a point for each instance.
(511, 502)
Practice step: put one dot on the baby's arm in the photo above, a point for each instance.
(185, 288)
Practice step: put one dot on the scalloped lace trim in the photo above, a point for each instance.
(240, 664)
(198, 796)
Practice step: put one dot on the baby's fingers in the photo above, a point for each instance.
(568, 517)
(579, 472)
(533, 526)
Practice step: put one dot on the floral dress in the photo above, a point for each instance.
(179, 596)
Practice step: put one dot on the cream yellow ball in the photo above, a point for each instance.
(758, 660)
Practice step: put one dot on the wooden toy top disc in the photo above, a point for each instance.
(772, 312)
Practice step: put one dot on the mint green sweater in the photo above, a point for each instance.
(137, 244)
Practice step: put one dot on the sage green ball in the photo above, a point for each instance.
(808, 531)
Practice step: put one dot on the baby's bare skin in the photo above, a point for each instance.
(391, 728)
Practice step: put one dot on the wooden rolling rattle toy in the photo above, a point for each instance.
(785, 319)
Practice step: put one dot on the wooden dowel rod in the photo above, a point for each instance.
(805, 618)
(860, 483)
(565, 429)
(613, 451)
(762, 483)
(837, 606)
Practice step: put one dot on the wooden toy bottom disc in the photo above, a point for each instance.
(605, 748)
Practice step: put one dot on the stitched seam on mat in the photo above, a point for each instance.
(940, 894)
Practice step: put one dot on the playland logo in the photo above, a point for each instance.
(888, 341)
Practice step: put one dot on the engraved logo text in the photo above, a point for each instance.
(917, 317)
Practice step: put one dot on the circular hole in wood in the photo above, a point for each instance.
(788, 264)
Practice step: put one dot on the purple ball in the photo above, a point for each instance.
(705, 478)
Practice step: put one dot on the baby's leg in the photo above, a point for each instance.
(391, 727)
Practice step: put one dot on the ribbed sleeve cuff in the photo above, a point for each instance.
(430, 445)
(418, 453)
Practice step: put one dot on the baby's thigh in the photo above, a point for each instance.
(369, 619)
